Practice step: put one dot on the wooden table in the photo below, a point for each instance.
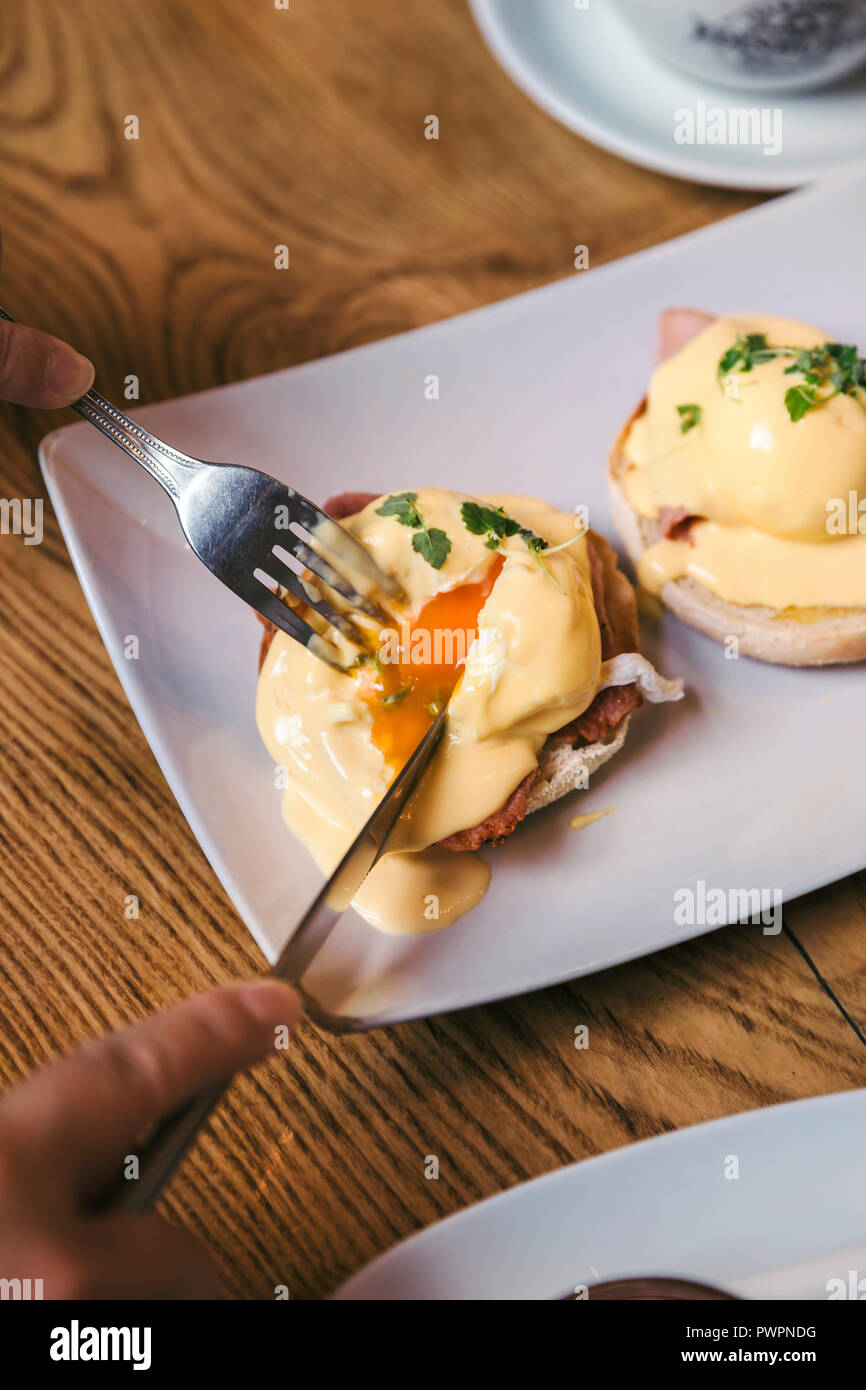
(260, 127)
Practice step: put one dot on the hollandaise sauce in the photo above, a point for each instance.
(781, 500)
(508, 640)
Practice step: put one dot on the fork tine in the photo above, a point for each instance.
(348, 551)
(345, 547)
(272, 607)
(310, 595)
(334, 580)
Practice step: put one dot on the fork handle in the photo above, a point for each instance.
(171, 468)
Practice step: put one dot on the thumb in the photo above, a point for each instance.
(38, 370)
(76, 1117)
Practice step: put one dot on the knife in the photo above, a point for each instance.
(175, 1133)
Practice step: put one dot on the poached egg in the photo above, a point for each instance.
(781, 501)
(507, 637)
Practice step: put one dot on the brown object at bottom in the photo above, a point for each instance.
(650, 1291)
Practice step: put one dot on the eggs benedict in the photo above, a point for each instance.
(739, 486)
(518, 619)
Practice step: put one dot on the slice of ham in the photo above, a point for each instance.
(675, 523)
(348, 504)
(676, 327)
(617, 619)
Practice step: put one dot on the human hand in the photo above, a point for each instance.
(65, 1131)
(38, 370)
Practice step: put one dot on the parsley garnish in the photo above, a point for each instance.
(497, 525)
(748, 352)
(833, 369)
(690, 415)
(433, 546)
(800, 400)
(488, 521)
(430, 543)
(366, 659)
(402, 505)
(397, 696)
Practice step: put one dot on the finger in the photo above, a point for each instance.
(38, 370)
(127, 1257)
(77, 1119)
(146, 1257)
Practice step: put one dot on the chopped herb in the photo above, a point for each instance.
(833, 369)
(402, 505)
(492, 522)
(536, 545)
(432, 545)
(690, 415)
(366, 659)
(799, 401)
(397, 696)
(435, 706)
(497, 525)
(748, 352)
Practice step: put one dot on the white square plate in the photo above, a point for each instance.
(754, 781)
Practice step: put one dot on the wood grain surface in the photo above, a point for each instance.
(155, 257)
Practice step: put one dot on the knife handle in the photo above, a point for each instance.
(161, 1153)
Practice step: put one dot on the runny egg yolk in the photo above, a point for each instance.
(405, 695)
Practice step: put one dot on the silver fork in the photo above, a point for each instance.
(256, 534)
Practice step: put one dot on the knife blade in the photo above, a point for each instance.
(335, 896)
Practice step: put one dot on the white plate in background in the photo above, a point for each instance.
(756, 779)
(793, 1219)
(587, 68)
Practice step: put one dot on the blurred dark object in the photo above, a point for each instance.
(649, 1290)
